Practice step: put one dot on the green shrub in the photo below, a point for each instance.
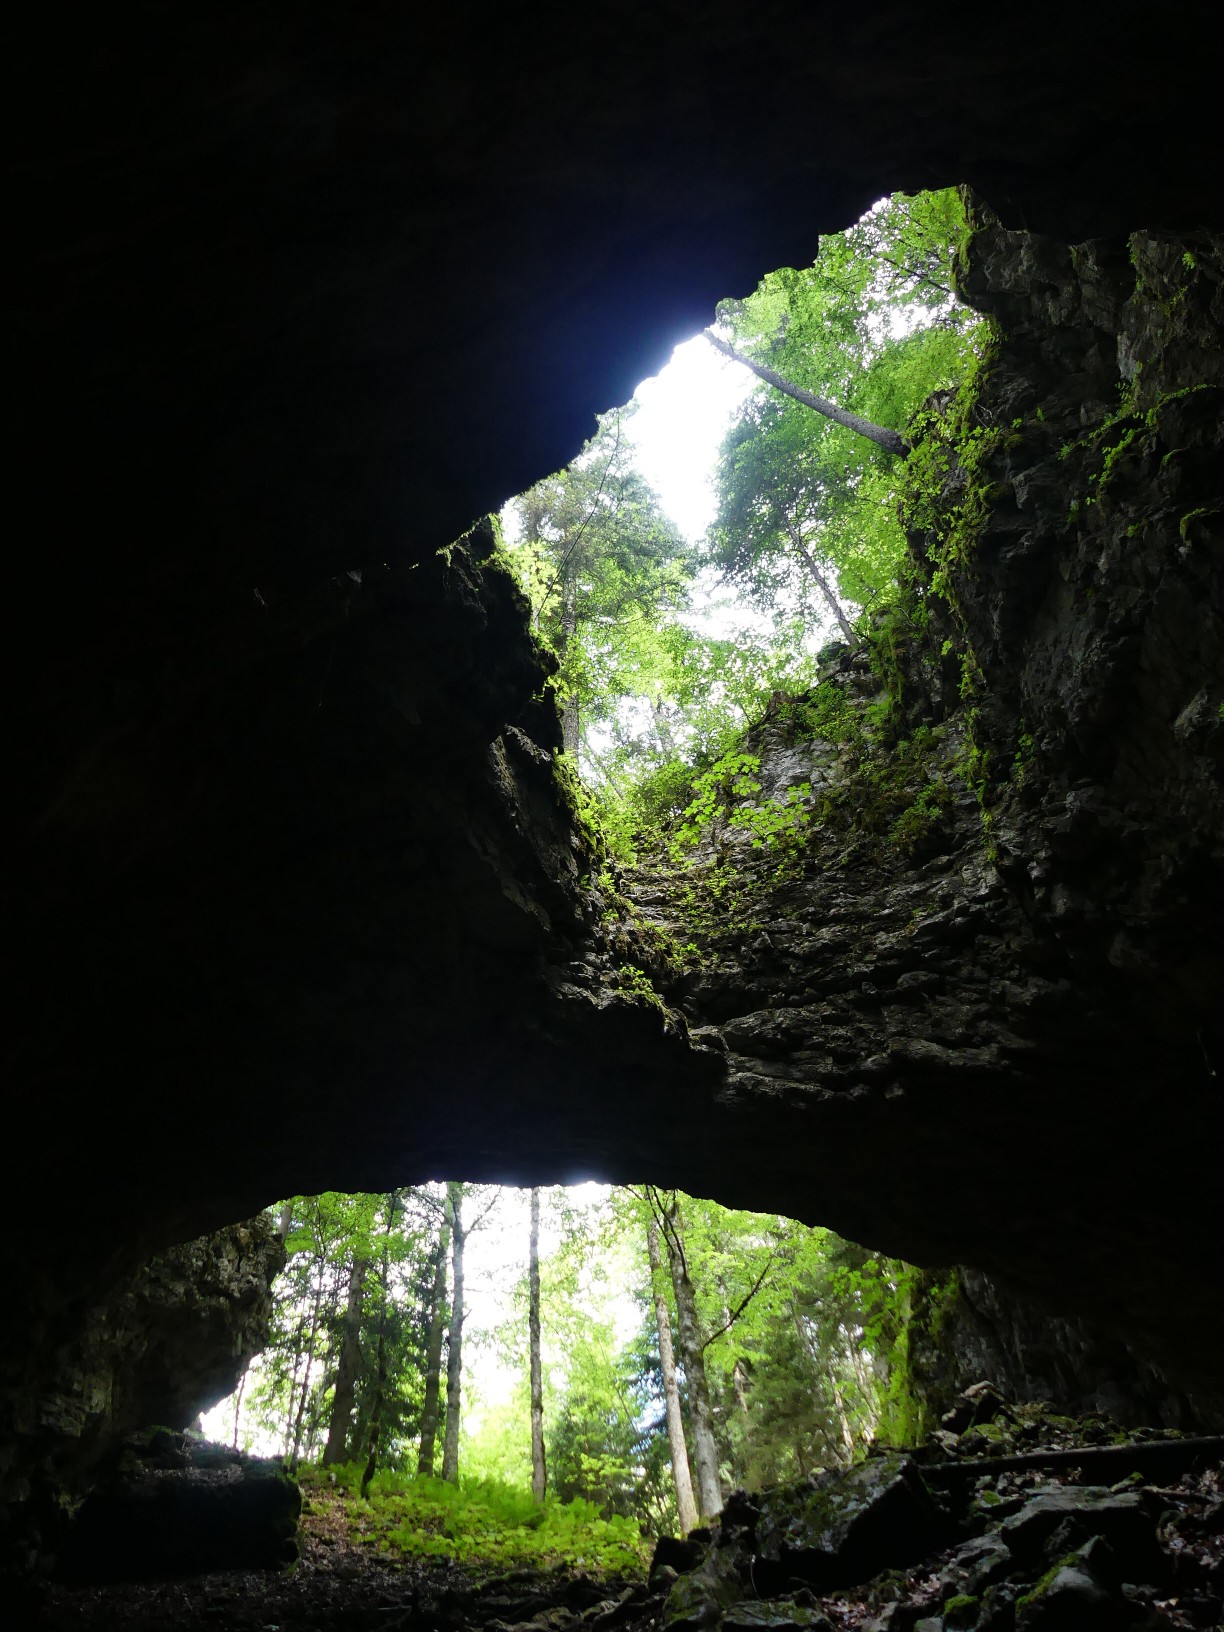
(486, 1522)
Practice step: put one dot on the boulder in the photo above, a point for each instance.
(179, 1508)
(841, 1528)
(1075, 1515)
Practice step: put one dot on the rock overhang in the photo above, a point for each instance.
(306, 295)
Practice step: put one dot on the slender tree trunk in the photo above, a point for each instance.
(284, 1219)
(822, 582)
(454, 1357)
(310, 1343)
(238, 1401)
(663, 730)
(433, 1352)
(380, 1373)
(293, 1383)
(843, 1416)
(739, 1379)
(348, 1368)
(701, 1417)
(570, 722)
(539, 1468)
(686, 1506)
(376, 1410)
(879, 434)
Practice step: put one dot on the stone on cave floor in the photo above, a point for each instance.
(1071, 1516)
(841, 1528)
(1061, 1550)
(1085, 1557)
(979, 1403)
(1072, 1599)
(769, 1615)
(175, 1507)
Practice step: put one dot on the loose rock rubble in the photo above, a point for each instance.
(920, 1544)
(904, 1542)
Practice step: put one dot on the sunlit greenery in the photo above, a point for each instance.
(486, 1522)
(804, 1349)
(660, 673)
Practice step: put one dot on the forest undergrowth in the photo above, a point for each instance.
(484, 1523)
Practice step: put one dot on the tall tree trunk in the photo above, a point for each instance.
(348, 1368)
(663, 730)
(570, 722)
(310, 1343)
(739, 1379)
(843, 1416)
(433, 1351)
(686, 1506)
(238, 1401)
(380, 1371)
(822, 582)
(454, 1356)
(891, 441)
(705, 1450)
(539, 1468)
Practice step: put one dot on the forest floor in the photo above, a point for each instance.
(344, 1584)
(349, 1580)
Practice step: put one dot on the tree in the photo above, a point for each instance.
(890, 441)
(348, 1367)
(454, 1353)
(433, 1352)
(685, 1504)
(382, 1372)
(604, 568)
(873, 324)
(692, 1350)
(459, 1233)
(539, 1468)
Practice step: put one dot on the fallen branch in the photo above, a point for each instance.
(892, 441)
(1164, 1456)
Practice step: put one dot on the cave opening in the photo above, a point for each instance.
(303, 296)
(663, 1334)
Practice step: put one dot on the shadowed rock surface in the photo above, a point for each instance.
(173, 1506)
(293, 888)
(1008, 1013)
(167, 1342)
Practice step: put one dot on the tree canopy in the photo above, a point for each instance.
(800, 1336)
(658, 673)
(873, 324)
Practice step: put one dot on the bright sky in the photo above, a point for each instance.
(683, 415)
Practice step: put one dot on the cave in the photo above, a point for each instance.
(295, 900)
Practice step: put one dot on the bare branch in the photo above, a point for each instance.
(890, 441)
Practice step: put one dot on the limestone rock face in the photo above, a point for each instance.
(967, 1327)
(1022, 1006)
(300, 298)
(174, 1506)
(169, 1341)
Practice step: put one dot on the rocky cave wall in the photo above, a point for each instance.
(1010, 1009)
(294, 893)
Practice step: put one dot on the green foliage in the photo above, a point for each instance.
(948, 490)
(808, 514)
(873, 324)
(490, 1524)
(636, 982)
(731, 778)
(606, 571)
(291, 1384)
